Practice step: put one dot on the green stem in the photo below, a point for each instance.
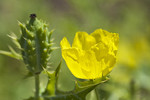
(37, 87)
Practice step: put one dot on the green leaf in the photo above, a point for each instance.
(12, 54)
(72, 95)
(57, 71)
(51, 88)
(82, 88)
(14, 40)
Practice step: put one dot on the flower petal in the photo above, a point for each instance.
(110, 61)
(64, 43)
(109, 39)
(83, 41)
(100, 50)
(91, 68)
(71, 57)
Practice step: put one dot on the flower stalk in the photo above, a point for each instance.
(37, 86)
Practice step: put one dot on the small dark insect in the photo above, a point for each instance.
(32, 15)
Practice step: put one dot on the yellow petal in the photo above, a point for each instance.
(90, 66)
(97, 34)
(111, 40)
(100, 50)
(71, 57)
(110, 61)
(64, 43)
(83, 41)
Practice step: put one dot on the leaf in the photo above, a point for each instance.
(15, 53)
(82, 88)
(14, 40)
(57, 71)
(51, 88)
(72, 95)
(12, 54)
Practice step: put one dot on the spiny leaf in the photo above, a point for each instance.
(12, 54)
(51, 88)
(72, 95)
(49, 36)
(14, 40)
(58, 70)
(82, 88)
(54, 48)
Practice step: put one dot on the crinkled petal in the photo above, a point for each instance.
(71, 57)
(83, 41)
(109, 39)
(110, 61)
(91, 68)
(100, 50)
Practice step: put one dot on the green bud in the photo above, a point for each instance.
(35, 44)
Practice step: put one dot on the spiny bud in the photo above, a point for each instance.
(35, 44)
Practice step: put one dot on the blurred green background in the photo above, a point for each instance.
(130, 18)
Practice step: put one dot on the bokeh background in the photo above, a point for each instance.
(130, 78)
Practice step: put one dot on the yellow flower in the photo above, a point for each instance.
(91, 56)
